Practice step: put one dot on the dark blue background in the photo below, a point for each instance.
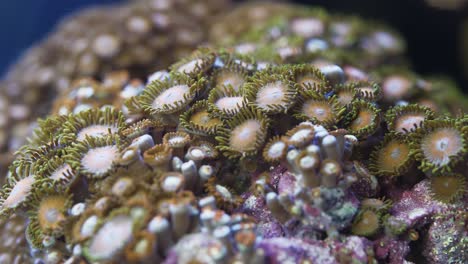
(24, 22)
(431, 34)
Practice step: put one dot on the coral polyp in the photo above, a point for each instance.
(393, 158)
(16, 194)
(244, 134)
(365, 118)
(168, 97)
(95, 157)
(275, 150)
(367, 223)
(93, 123)
(271, 149)
(405, 119)
(319, 109)
(100, 247)
(440, 145)
(448, 187)
(272, 93)
(47, 217)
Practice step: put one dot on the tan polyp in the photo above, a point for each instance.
(330, 171)
(308, 164)
(276, 208)
(162, 228)
(190, 172)
(143, 142)
(330, 145)
(285, 201)
(173, 182)
(291, 157)
(180, 219)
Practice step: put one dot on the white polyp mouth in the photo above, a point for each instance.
(106, 46)
(276, 149)
(395, 153)
(19, 193)
(307, 27)
(395, 87)
(61, 173)
(138, 24)
(440, 145)
(121, 185)
(307, 162)
(111, 237)
(301, 135)
(89, 225)
(171, 96)
(172, 183)
(190, 66)
(330, 168)
(230, 103)
(271, 94)
(176, 140)
(100, 160)
(225, 193)
(408, 122)
(96, 131)
(197, 153)
(244, 136)
(316, 110)
(233, 80)
(52, 215)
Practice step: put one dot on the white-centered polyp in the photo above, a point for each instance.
(307, 27)
(330, 168)
(189, 67)
(172, 183)
(307, 162)
(225, 193)
(19, 193)
(171, 96)
(111, 237)
(89, 225)
(271, 94)
(100, 160)
(312, 109)
(197, 153)
(230, 103)
(106, 45)
(244, 136)
(441, 144)
(232, 79)
(95, 131)
(176, 140)
(301, 135)
(395, 87)
(121, 186)
(407, 122)
(61, 173)
(276, 149)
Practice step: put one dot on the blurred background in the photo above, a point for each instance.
(436, 30)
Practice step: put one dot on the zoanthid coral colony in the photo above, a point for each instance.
(274, 171)
(277, 149)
